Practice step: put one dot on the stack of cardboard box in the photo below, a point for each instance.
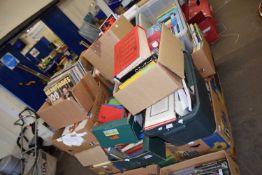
(165, 78)
(83, 108)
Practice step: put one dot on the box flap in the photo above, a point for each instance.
(121, 27)
(101, 53)
(171, 52)
(92, 156)
(137, 97)
(62, 114)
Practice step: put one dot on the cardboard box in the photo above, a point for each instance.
(88, 94)
(84, 133)
(234, 170)
(149, 170)
(104, 168)
(221, 139)
(92, 156)
(203, 60)
(158, 82)
(101, 53)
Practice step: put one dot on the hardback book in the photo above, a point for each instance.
(160, 113)
(108, 113)
(130, 51)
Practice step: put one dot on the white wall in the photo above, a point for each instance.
(76, 10)
(14, 12)
(10, 107)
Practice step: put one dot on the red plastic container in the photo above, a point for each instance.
(202, 15)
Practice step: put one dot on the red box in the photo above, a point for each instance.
(202, 15)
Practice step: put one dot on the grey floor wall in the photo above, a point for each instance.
(238, 56)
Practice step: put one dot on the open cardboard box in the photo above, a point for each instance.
(203, 60)
(160, 81)
(149, 170)
(89, 95)
(92, 156)
(84, 133)
(101, 53)
(221, 139)
(234, 170)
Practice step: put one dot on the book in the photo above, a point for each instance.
(62, 82)
(160, 113)
(130, 51)
(108, 113)
(131, 145)
(137, 75)
(152, 57)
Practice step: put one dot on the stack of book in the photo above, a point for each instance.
(127, 151)
(61, 83)
(131, 53)
(197, 36)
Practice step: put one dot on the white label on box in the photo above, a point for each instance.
(111, 132)
(148, 156)
(191, 143)
(168, 126)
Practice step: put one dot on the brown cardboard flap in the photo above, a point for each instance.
(121, 27)
(197, 161)
(203, 60)
(67, 110)
(101, 53)
(171, 52)
(92, 156)
(140, 97)
(85, 92)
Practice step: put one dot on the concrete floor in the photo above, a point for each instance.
(238, 56)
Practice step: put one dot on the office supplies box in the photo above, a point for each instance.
(188, 165)
(75, 138)
(221, 139)
(124, 131)
(92, 156)
(196, 124)
(104, 168)
(101, 53)
(159, 81)
(88, 96)
(153, 152)
(203, 60)
(148, 170)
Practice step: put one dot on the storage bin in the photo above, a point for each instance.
(197, 124)
(124, 131)
(154, 152)
(154, 8)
